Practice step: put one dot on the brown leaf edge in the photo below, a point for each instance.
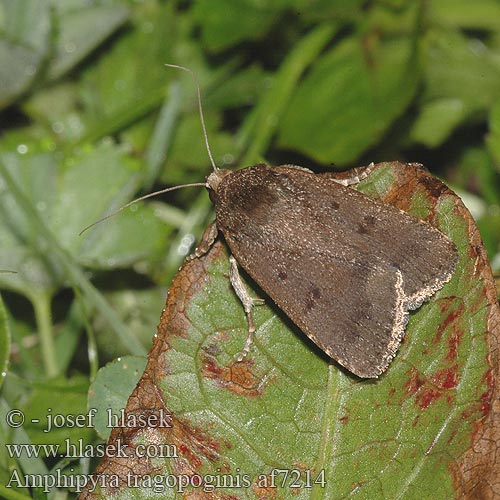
(146, 402)
(476, 474)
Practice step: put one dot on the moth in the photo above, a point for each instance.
(344, 267)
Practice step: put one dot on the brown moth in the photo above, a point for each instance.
(344, 267)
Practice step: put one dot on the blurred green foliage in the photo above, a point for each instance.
(90, 117)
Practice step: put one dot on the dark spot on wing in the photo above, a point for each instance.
(282, 275)
(362, 229)
(369, 220)
(312, 298)
(365, 226)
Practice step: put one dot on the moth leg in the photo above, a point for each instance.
(247, 301)
(206, 243)
(350, 181)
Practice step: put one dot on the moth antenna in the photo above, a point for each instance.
(149, 195)
(166, 190)
(200, 109)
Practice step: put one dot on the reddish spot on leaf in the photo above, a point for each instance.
(190, 456)
(237, 377)
(429, 390)
(447, 378)
(453, 315)
(478, 427)
(453, 344)
(414, 382)
(486, 397)
(427, 396)
(196, 443)
(265, 493)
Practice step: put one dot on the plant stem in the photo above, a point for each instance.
(43, 314)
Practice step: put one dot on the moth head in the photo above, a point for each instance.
(213, 181)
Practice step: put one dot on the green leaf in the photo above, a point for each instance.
(10, 494)
(16, 435)
(261, 124)
(228, 22)
(240, 89)
(437, 120)
(480, 14)
(57, 108)
(493, 139)
(391, 438)
(139, 308)
(82, 26)
(63, 396)
(476, 167)
(110, 87)
(188, 152)
(111, 388)
(26, 361)
(24, 42)
(95, 181)
(336, 10)
(349, 99)
(287, 406)
(461, 68)
(40, 226)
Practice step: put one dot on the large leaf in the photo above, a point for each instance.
(480, 15)
(109, 391)
(408, 434)
(462, 81)
(24, 41)
(26, 30)
(110, 86)
(82, 26)
(227, 22)
(350, 98)
(40, 229)
(94, 181)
